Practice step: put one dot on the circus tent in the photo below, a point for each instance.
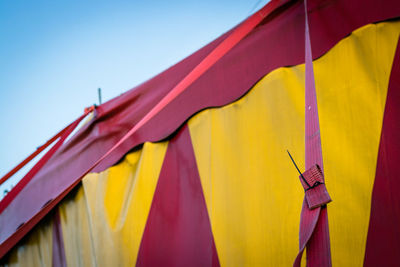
(191, 167)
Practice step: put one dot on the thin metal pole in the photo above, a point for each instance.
(99, 93)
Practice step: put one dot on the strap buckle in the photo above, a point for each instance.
(316, 193)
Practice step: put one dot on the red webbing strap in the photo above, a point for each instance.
(62, 135)
(225, 46)
(314, 229)
(39, 150)
(31, 156)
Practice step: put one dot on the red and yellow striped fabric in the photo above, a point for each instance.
(222, 191)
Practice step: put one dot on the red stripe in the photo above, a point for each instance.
(58, 259)
(178, 230)
(383, 240)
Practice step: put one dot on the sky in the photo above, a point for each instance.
(54, 55)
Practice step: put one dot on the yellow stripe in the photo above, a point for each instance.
(104, 222)
(36, 248)
(251, 187)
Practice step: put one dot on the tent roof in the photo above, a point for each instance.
(278, 41)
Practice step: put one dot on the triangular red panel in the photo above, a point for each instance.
(58, 254)
(383, 241)
(178, 230)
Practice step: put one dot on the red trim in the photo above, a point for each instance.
(178, 230)
(383, 240)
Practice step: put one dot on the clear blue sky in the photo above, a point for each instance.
(55, 54)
